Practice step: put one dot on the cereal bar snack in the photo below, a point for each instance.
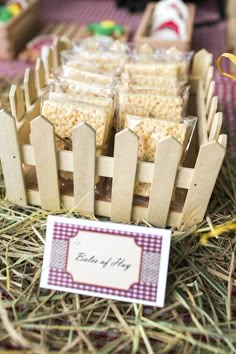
(104, 62)
(148, 103)
(66, 114)
(140, 80)
(153, 69)
(84, 76)
(145, 55)
(150, 131)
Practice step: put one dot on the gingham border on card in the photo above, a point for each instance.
(149, 243)
(139, 291)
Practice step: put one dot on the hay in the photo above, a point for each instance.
(199, 316)
(200, 311)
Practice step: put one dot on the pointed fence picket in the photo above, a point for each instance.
(20, 148)
(124, 170)
(29, 88)
(43, 142)
(84, 157)
(17, 102)
(40, 76)
(165, 168)
(11, 160)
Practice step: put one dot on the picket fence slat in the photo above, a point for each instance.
(48, 62)
(40, 75)
(29, 88)
(212, 112)
(206, 170)
(11, 160)
(222, 140)
(23, 127)
(165, 168)
(125, 162)
(209, 78)
(210, 96)
(17, 105)
(216, 126)
(201, 113)
(56, 52)
(202, 60)
(43, 142)
(84, 156)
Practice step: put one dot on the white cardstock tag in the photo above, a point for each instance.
(115, 261)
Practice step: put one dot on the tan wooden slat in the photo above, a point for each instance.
(201, 113)
(56, 52)
(43, 142)
(40, 75)
(209, 79)
(23, 127)
(210, 96)
(201, 62)
(29, 88)
(125, 162)
(84, 155)
(65, 43)
(17, 102)
(103, 208)
(212, 112)
(48, 62)
(105, 166)
(216, 126)
(222, 140)
(165, 168)
(206, 170)
(11, 160)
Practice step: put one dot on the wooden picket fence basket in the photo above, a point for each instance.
(195, 180)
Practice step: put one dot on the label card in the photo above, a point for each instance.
(114, 261)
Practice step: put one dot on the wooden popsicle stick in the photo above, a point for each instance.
(212, 112)
(40, 75)
(210, 94)
(17, 104)
(216, 126)
(29, 88)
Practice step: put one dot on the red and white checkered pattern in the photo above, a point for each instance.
(140, 291)
(149, 243)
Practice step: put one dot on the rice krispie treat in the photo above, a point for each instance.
(145, 104)
(66, 115)
(150, 131)
(153, 69)
(85, 76)
(104, 62)
(149, 81)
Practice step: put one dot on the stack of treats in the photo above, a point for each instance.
(142, 90)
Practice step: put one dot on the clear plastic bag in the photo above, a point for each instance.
(150, 131)
(140, 80)
(161, 62)
(67, 72)
(104, 62)
(99, 94)
(65, 112)
(159, 85)
(150, 103)
(101, 43)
